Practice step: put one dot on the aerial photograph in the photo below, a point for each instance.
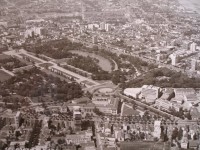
(99, 74)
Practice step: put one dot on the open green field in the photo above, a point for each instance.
(4, 76)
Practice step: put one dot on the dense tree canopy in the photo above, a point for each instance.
(171, 79)
(56, 49)
(90, 65)
(85, 63)
(34, 83)
(11, 63)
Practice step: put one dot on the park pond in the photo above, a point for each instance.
(104, 63)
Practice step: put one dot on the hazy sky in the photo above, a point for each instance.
(192, 4)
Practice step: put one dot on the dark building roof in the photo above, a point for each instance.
(144, 145)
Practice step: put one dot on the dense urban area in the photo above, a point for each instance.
(99, 75)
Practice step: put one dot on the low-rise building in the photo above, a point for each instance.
(163, 104)
(81, 137)
(85, 108)
(168, 93)
(106, 104)
(194, 144)
(177, 106)
(167, 105)
(20, 143)
(181, 92)
(174, 59)
(133, 92)
(192, 98)
(150, 93)
(195, 114)
(144, 145)
(11, 117)
(88, 146)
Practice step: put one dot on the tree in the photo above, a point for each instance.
(61, 141)
(89, 95)
(16, 146)
(146, 115)
(98, 112)
(17, 134)
(112, 129)
(180, 133)
(188, 116)
(85, 125)
(117, 77)
(21, 121)
(49, 123)
(26, 145)
(174, 133)
(3, 145)
(162, 135)
(58, 127)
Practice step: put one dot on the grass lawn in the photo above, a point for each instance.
(4, 76)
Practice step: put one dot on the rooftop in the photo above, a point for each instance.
(143, 145)
(150, 87)
(184, 90)
(133, 90)
(191, 97)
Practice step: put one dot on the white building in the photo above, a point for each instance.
(163, 104)
(193, 47)
(11, 117)
(106, 104)
(157, 129)
(156, 88)
(35, 31)
(107, 27)
(161, 57)
(92, 26)
(180, 92)
(166, 105)
(94, 39)
(133, 92)
(174, 59)
(168, 93)
(102, 26)
(191, 98)
(150, 93)
(193, 64)
(79, 138)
